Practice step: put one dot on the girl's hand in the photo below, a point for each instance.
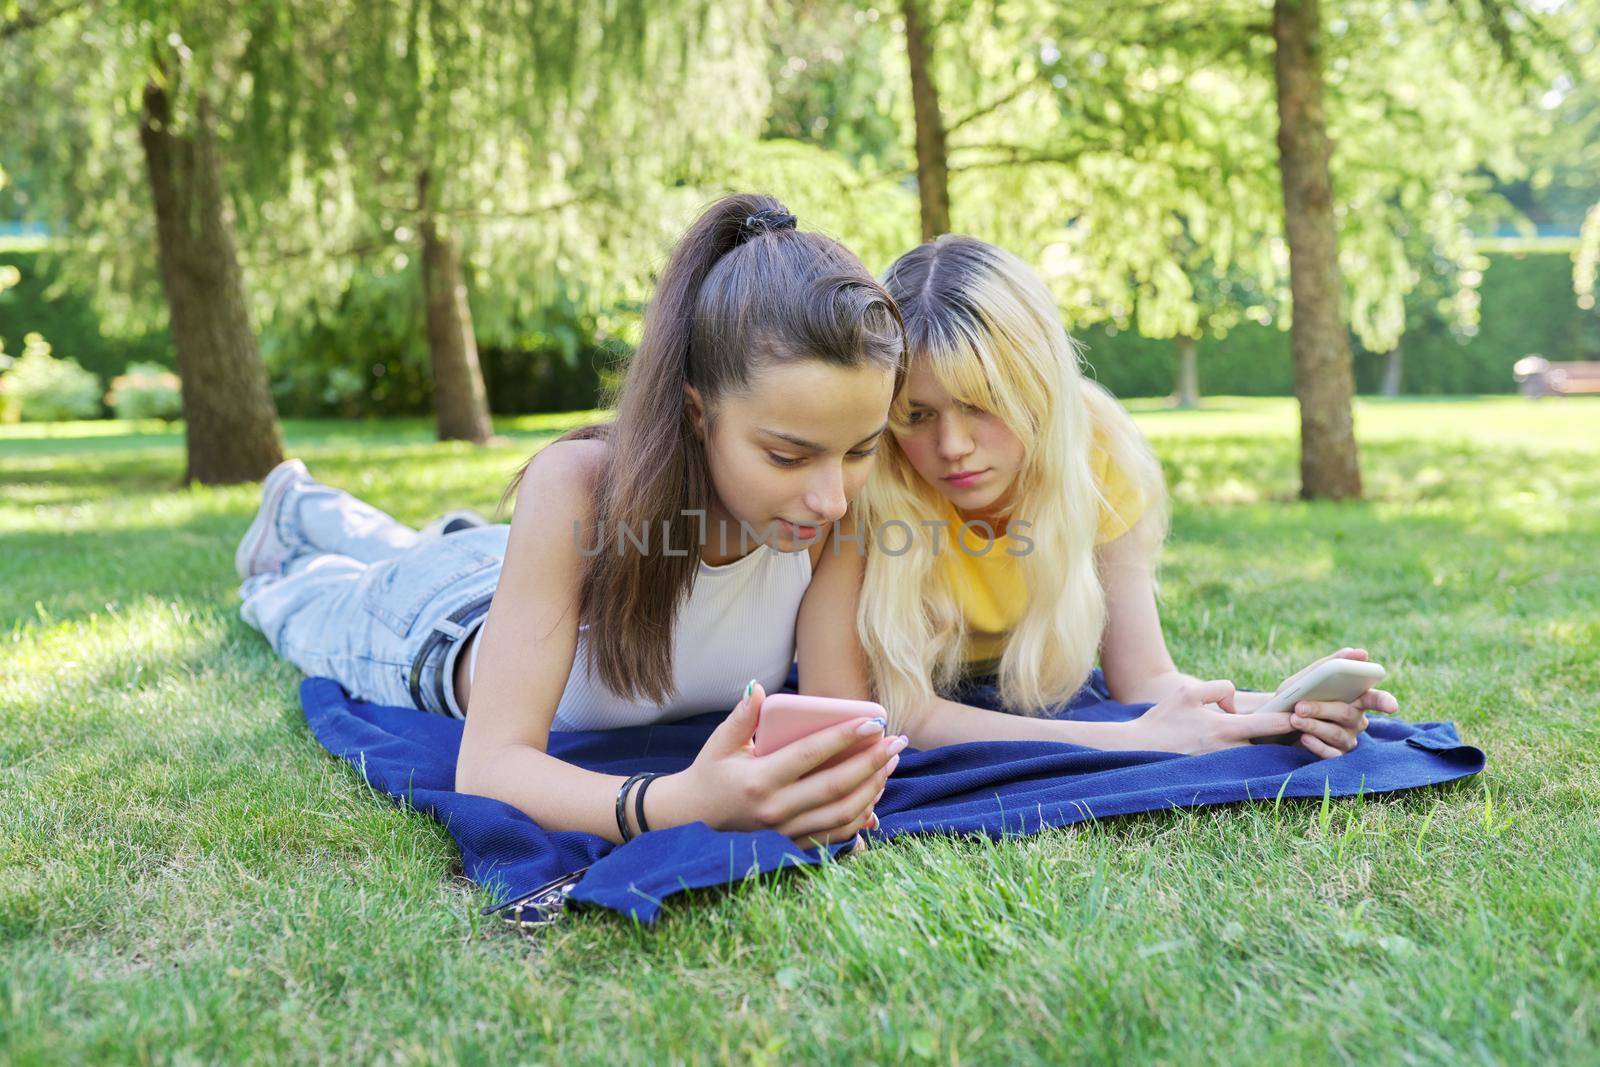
(1202, 717)
(1329, 727)
(729, 787)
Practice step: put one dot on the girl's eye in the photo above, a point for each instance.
(915, 417)
(789, 461)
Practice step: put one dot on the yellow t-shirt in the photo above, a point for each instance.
(990, 587)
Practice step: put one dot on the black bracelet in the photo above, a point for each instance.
(622, 800)
(638, 803)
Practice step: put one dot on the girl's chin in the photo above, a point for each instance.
(972, 498)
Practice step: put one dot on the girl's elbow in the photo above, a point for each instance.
(474, 769)
(468, 772)
(480, 769)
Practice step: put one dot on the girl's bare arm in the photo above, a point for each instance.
(528, 644)
(1133, 650)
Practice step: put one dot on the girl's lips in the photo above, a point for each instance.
(964, 480)
(801, 533)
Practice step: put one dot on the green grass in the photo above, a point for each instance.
(185, 875)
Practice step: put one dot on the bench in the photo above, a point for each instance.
(1539, 377)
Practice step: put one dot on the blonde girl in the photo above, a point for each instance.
(1015, 520)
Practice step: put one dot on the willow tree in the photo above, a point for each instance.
(526, 145)
(1123, 154)
(69, 81)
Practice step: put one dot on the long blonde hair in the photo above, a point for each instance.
(994, 339)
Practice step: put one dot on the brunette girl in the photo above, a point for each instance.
(655, 566)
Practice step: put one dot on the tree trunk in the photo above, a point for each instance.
(231, 424)
(1324, 381)
(460, 401)
(1392, 370)
(1187, 394)
(933, 178)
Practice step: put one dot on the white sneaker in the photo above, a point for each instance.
(451, 521)
(262, 549)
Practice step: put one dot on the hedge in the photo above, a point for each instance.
(1527, 306)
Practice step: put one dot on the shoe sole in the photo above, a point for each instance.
(255, 537)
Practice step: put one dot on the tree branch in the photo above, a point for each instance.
(379, 243)
(278, 255)
(531, 213)
(1024, 153)
(575, 200)
(1512, 43)
(1019, 160)
(992, 106)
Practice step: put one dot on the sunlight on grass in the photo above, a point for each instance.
(1563, 423)
(176, 848)
(152, 430)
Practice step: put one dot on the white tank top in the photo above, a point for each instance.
(737, 624)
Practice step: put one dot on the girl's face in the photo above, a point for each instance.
(967, 454)
(789, 455)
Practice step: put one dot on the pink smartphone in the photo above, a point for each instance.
(787, 717)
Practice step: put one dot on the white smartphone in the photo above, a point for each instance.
(1336, 679)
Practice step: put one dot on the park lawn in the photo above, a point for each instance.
(185, 875)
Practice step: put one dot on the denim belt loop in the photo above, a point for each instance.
(452, 627)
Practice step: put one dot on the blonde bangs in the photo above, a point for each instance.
(959, 365)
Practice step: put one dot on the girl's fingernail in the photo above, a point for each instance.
(872, 726)
(1304, 709)
(898, 745)
(894, 761)
(750, 687)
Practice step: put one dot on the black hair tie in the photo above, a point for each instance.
(768, 219)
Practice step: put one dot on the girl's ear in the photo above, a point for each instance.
(695, 408)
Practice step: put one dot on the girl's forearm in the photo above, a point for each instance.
(944, 722)
(1152, 689)
(559, 796)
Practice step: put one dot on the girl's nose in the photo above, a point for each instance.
(954, 440)
(825, 495)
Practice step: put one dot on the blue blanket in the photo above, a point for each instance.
(991, 788)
